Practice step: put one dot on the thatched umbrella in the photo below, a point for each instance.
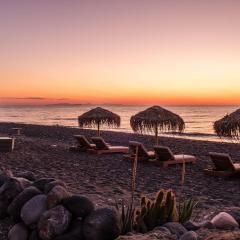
(228, 126)
(156, 119)
(97, 117)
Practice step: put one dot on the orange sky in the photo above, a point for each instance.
(130, 52)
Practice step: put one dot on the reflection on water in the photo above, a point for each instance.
(198, 119)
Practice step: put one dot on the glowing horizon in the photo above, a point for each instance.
(120, 52)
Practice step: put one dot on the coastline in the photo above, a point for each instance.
(107, 177)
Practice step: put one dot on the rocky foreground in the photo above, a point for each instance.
(43, 150)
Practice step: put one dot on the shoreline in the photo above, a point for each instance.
(105, 178)
(205, 137)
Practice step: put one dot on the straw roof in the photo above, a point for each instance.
(157, 117)
(228, 126)
(99, 116)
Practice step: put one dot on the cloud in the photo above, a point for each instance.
(34, 98)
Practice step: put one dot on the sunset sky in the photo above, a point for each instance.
(120, 51)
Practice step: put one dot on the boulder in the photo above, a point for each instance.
(3, 209)
(175, 228)
(207, 224)
(78, 206)
(191, 235)
(14, 209)
(54, 222)
(28, 175)
(40, 183)
(33, 209)
(191, 226)
(33, 235)
(24, 182)
(102, 224)
(67, 237)
(75, 231)
(162, 229)
(4, 175)
(18, 232)
(11, 188)
(224, 221)
(56, 195)
(49, 186)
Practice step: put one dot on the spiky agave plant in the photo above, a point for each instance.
(186, 209)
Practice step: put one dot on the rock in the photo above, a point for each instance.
(207, 224)
(11, 188)
(162, 229)
(56, 195)
(235, 214)
(4, 175)
(54, 222)
(224, 221)
(33, 209)
(102, 224)
(14, 209)
(27, 175)
(191, 235)
(33, 235)
(18, 232)
(49, 186)
(191, 226)
(75, 231)
(24, 182)
(79, 206)
(67, 237)
(40, 184)
(3, 209)
(175, 228)
(232, 235)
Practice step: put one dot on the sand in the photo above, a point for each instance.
(106, 178)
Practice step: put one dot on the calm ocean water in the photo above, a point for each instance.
(199, 119)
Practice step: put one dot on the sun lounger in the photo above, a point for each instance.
(103, 147)
(165, 157)
(223, 165)
(143, 154)
(83, 144)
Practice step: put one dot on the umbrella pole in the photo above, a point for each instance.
(98, 129)
(156, 134)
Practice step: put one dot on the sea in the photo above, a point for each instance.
(198, 119)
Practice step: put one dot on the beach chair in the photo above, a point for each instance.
(103, 147)
(143, 154)
(165, 157)
(83, 144)
(223, 165)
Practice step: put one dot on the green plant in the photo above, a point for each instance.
(185, 210)
(156, 212)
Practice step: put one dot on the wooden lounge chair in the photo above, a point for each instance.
(165, 157)
(143, 154)
(103, 147)
(83, 144)
(223, 165)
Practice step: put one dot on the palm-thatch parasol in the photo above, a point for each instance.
(228, 126)
(97, 117)
(156, 119)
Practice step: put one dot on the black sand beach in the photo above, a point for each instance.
(44, 151)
